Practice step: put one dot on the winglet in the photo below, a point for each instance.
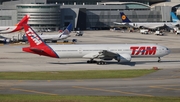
(174, 17)
(23, 21)
(124, 18)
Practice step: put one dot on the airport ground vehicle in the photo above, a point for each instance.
(79, 33)
(178, 32)
(144, 31)
(160, 33)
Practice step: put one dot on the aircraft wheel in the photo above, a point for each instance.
(104, 62)
(91, 61)
(159, 59)
(101, 63)
(94, 61)
(98, 62)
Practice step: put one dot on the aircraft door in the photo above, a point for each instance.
(80, 50)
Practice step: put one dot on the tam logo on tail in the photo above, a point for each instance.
(33, 36)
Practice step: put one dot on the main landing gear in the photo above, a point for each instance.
(101, 62)
(98, 62)
(91, 61)
(159, 59)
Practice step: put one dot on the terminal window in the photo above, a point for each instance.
(5, 17)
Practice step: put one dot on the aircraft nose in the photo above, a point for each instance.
(168, 51)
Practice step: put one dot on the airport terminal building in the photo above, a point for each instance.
(84, 14)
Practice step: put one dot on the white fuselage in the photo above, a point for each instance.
(53, 36)
(151, 25)
(135, 50)
(8, 29)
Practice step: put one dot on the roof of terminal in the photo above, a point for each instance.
(172, 4)
(126, 3)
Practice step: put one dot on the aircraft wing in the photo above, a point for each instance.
(104, 54)
(3, 29)
(118, 23)
(153, 26)
(124, 24)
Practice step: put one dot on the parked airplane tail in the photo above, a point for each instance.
(23, 21)
(37, 45)
(68, 29)
(124, 18)
(174, 17)
(66, 32)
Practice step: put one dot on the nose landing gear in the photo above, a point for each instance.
(159, 59)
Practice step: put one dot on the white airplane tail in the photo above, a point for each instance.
(67, 31)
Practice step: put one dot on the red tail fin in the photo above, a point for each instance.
(33, 38)
(37, 45)
(23, 21)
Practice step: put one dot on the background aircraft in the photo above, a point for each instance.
(18, 27)
(55, 37)
(119, 52)
(4, 39)
(174, 17)
(149, 25)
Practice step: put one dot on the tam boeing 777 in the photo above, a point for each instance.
(17, 27)
(150, 25)
(118, 52)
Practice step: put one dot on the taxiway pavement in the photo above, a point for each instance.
(162, 83)
(155, 84)
(13, 59)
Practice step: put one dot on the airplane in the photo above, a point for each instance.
(174, 17)
(54, 37)
(119, 52)
(149, 25)
(4, 39)
(17, 27)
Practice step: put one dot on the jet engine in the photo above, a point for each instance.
(123, 58)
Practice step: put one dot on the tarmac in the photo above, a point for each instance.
(164, 82)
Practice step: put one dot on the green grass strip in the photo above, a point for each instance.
(46, 98)
(63, 75)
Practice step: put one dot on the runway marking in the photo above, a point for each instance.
(163, 87)
(79, 80)
(115, 91)
(20, 81)
(32, 91)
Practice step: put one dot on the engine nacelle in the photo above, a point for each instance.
(123, 58)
